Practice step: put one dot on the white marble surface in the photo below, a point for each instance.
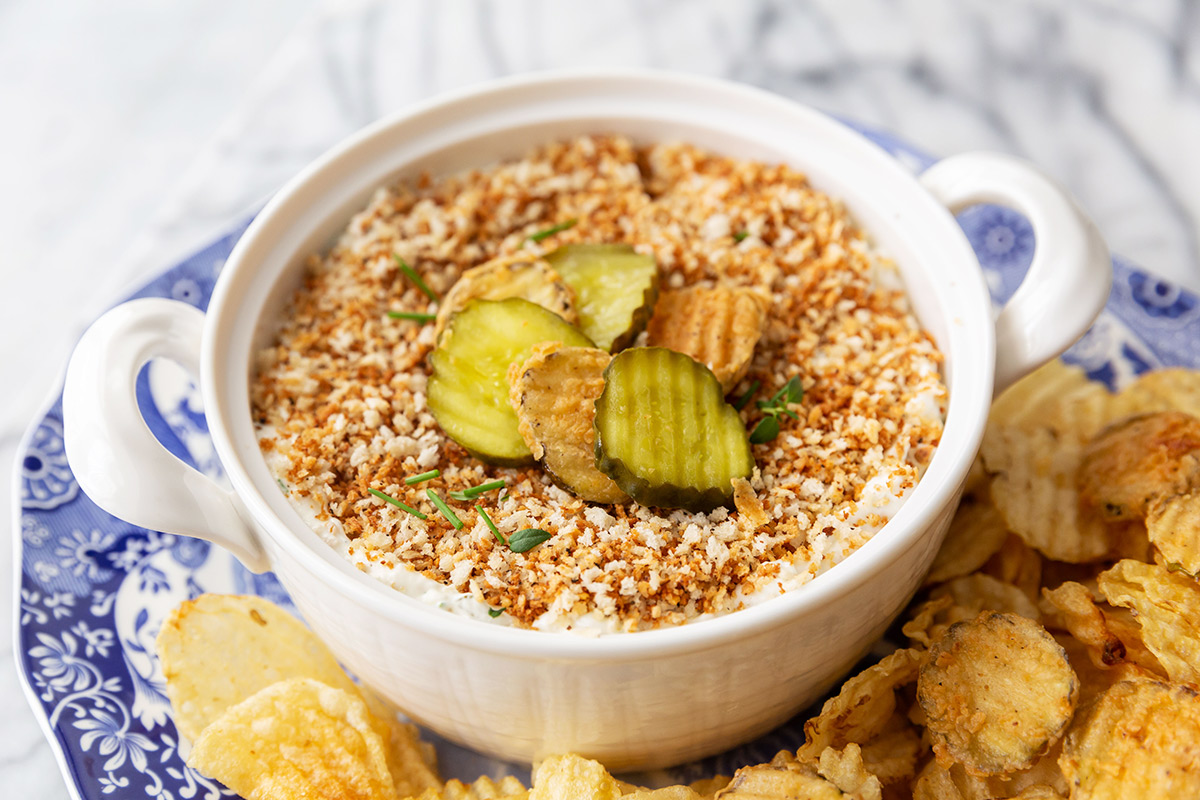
(134, 131)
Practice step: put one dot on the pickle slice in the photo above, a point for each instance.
(509, 276)
(718, 327)
(665, 434)
(615, 290)
(554, 394)
(468, 390)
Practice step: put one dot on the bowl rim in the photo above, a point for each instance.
(921, 509)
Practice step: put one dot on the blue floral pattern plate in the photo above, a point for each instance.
(94, 590)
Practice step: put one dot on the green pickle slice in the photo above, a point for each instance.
(615, 290)
(665, 434)
(468, 389)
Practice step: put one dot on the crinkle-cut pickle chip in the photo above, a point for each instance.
(997, 692)
(665, 434)
(297, 738)
(554, 393)
(521, 276)
(719, 327)
(615, 290)
(1131, 464)
(1139, 741)
(1167, 605)
(217, 650)
(469, 391)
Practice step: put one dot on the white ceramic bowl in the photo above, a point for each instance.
(632, 700)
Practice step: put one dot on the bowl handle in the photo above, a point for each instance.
(116, 459)
(1071, 274)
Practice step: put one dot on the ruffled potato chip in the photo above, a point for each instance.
(718, 327)
(1173, 527)
(963, 599)
(997, 692)
(217, 650)
(1141, 739)
(845, 769)
(1072, 607)
(892, 754)
(1167, 605)
(787, 777)
(1019, 564)
(863, 707)
(1138, 461)
(482, 789)
(297, 738)
(572, 777)
(938, 782)
(1172, 388)
(976, 532)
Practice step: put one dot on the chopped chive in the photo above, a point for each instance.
(490, 524)
(415, 316)
(559, 228)
(445, 509)
(740, 235)
(503, 497)
(484, 487)
(527, 539)
(424, 476)
(495, 612)
(397, 503)
(283, 486)
(741, 401)
(414, 277)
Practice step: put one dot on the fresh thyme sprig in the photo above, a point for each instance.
(768, 427)
(740, 235)
(527, 539)
(559, 228)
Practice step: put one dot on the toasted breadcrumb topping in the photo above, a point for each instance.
(339, 399)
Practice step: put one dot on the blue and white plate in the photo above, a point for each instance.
(93, 589)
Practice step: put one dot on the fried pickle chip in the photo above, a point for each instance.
(1141, 739)
(788, 778)
(1167, 605)
(554, 393)
(863, 706)
(1173, 527)
(996, 692)
(521, 276)
(482, 789)
(1139, 460)
(217, 650)
(976, 532)
(845, 769)
(572, 777)
(892, 754)
(297, 738)
(1019, 564)
(718, 327)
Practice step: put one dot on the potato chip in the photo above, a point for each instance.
(1162, 390)
(976, 532)
(554, 393)
(1167, 605)
(863, 706)
(718, 327)
(845, 769)
(297, 738)
(1038, 792)
(572, 777)
(1141, 739)
(1072, 607)
(521, 276)
(217, 650)
(708, 787)
(1173, 527)
(482, 789)
(962, 599)
(665, 793)
(1139, 460)
(1019, 564)
(1057, 397)
(777, 781)
(892, 754)
(1095, 680)
(996, 692)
